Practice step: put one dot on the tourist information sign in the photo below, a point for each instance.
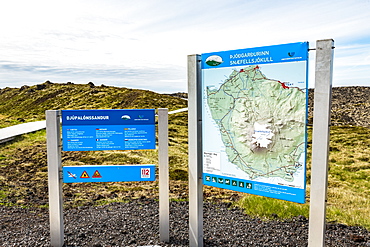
(254, 113)
(89, 130)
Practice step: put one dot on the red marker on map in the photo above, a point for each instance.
(283, 85)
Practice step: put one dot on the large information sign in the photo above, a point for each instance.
(89, 130)
(254, 120)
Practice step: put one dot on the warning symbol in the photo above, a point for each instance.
(85, 175)
(96, 174)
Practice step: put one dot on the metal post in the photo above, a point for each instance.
(164, 211)
(320, 142)
(54, 178)
(195, 153)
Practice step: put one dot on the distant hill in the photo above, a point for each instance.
(29, 103)
(350, 105)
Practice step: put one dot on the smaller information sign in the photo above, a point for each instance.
(119, 173)
(89, 130)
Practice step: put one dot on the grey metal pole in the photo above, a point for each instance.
(164, 211)
(195, 153)
(54, 178)
(320, 142)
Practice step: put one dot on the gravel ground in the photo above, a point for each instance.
(137, 224)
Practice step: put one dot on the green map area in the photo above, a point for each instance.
(262, 123)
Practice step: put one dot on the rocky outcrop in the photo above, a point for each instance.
(350, 106)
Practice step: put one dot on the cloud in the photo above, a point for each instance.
(125, 37)
(163, 80)
(352, 64)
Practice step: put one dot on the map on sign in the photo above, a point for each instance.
(254, 127)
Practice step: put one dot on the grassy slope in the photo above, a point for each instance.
(23, 171)
(23, 164)
(30, 103)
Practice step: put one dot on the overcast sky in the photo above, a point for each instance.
(144, 43)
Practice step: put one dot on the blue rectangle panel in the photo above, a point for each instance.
(257, 188)
(91, 130)
(108, 117)
(112, 173)
(259, 55)
(108, 137)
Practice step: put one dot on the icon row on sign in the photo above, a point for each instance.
(230, 182)
(85, 175)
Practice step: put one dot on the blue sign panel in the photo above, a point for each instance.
(259, 55)
(89, 130)
(256, 188)
(119, 173)
(254, 115)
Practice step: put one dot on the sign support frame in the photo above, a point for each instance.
(320, 141)
(320, 146)
(195, 152)
(55, 178)
(164, 211)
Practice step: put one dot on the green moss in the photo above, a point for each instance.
(271, 208)
(26, 104)
(178, 174)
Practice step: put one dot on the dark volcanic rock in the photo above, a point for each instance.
(350, 106)
(137, 224)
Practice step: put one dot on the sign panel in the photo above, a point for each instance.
(119, 173)
(89, 130)
(254, 115)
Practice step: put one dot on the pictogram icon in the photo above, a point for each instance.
(84, 175)
(96, 174)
